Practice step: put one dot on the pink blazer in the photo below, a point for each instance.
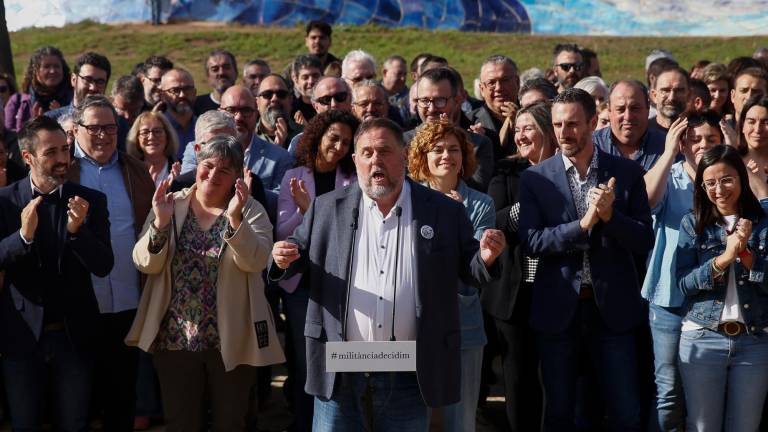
(288, 214)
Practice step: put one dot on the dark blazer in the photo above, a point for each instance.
(500, 297)
(549, 229)
(88, 252)
(451, 255)
(492, 128)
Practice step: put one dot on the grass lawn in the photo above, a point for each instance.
(188, 44)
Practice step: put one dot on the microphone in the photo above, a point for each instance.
(355, 214)
(398, 213)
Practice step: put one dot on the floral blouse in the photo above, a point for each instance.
(190, 322)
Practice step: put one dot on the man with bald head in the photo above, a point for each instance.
(275, 103)
(329, 93)
(178, 92)
(629, 135)
(268, 161)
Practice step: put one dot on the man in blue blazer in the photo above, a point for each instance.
(583, 213)
(54, 236)
(433, 252)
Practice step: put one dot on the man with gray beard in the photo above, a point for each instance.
(670, 92)
(177, 91)
(275, 101)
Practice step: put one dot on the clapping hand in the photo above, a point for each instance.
(676, 130)
(29, 219)
(236, 204)
(284, 253)
(76, 213)
(492, 243)
(281, 132)
(602, 198)
(162, 204)
(299, 194)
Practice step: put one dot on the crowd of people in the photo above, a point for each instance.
(608, 241)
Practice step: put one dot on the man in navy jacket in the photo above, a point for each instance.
(55, 235)
(583, 213)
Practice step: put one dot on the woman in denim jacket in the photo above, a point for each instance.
(440, 156)
(721, 260)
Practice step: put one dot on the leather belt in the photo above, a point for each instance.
(586, 292)
(732, 328)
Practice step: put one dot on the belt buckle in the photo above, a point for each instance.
(731, 328)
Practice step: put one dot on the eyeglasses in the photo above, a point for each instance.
(243, 111)
(493, 83)
(725, 183)
(155, 81)
(155, 132)
(566, 67)
(338, 97)
(365, 103)
(96, 130)
(437, 102)
(177, 91)
(267, 94)
(98, 82)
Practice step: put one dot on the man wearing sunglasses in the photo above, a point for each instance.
(126, 182)
(568, 65)
(275, 101)
(329, 93)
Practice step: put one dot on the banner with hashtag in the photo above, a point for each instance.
(396, 356)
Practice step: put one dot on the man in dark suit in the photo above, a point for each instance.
(583, 213)
(436, 250)
(55, 235)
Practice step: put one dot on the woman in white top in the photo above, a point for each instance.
(721, 263)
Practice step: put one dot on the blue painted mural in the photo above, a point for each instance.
(593, 17)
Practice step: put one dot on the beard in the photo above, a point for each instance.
(180, 107)
(272, 115)
(673, 110)
(380, 191)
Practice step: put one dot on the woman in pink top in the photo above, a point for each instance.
(323, 163)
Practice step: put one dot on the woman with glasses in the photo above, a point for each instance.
(720, 269)
(442, 158)
(153, 140)
(670, 189)
(203, 313)
(45, 87)
(323, 164)
(508, 300)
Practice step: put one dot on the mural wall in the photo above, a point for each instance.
(593, 17)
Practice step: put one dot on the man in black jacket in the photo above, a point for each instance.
(55, 235)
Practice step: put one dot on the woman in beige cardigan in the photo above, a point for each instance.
(203, 312)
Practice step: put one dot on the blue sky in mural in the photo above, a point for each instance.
(594, 17)
(478, 15)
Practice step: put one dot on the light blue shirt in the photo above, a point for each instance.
(482, 214)
(660, 285)
(119, 291)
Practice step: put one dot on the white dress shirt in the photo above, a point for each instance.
(372, 293)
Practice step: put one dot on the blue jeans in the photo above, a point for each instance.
(613, 362)
(460, 416)
(670, 401)
(70, 378)
(725, 380)
(396, 403)
(296, 315)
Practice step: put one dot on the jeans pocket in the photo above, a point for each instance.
(692, 334)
